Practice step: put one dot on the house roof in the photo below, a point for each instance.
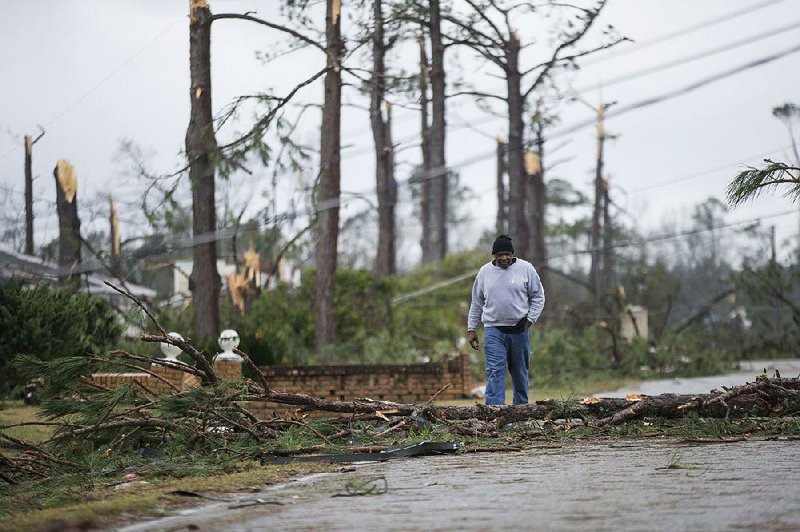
(20, 266)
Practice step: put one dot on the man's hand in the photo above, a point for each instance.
(472, 336)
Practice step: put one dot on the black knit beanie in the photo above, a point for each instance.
(502, 243)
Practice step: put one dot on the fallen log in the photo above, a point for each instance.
(765, 397)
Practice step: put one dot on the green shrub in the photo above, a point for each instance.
(50, 322)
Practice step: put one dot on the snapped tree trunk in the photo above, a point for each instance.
(439, 173)
(328, 191)
(538, 203)
(385, 261)
(201, 146)
(69, 225)
(113, 231)
(28, 195)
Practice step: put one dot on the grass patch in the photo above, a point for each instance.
(689, 428)
(13, 412)
(98, 503)
(676, 463)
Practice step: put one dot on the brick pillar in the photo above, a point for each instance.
(173, 375)
(228, 369)
(466, 375)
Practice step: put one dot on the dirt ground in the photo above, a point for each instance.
(616, 485)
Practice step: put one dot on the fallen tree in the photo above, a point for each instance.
(213, 419)
(763, 398)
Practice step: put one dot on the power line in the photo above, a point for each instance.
(705, 172)
(657, 99)
(680, 61)
(435, 172)
(660, 238)
(681, 91)
(641, 45)
(102, 81)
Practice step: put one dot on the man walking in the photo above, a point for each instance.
(508, 298)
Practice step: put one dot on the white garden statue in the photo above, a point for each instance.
(170, 351)
(228, 341)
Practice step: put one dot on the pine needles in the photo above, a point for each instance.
(751, 183)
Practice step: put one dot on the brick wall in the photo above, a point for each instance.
(411, 383)
(177, 377)
(112, 380)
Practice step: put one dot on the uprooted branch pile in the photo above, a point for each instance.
(213, 420)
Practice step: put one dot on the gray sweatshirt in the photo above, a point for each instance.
(503, 297)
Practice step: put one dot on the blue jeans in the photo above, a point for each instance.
(499, 349)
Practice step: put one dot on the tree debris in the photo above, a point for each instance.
(213, 419)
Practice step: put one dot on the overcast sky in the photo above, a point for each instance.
(94, 72)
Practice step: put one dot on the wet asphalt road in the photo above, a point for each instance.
(749, 369)
(750, 485)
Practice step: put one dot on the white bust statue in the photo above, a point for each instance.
(170, 351)
(228, 341)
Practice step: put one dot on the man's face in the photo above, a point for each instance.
(503, 259)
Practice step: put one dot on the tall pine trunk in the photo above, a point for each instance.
(385, 261)
(201, 144)
(439, 177)
(501, 220)
(426, 190)
(518, 226)
(328, 192)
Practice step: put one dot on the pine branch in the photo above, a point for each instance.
(164, 362)
(152, 423)
(753, 182)
(188, 348)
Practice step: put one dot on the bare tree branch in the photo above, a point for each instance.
(479, 94)
(263, 122)
(272, 25)
(554, 59)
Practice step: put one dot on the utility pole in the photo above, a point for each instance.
(772, 243)
(29, 142)
(599, 194)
